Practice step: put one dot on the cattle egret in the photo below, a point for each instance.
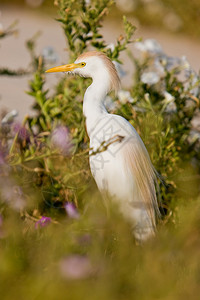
(119, 161)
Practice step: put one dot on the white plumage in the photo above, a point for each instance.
(119, 161)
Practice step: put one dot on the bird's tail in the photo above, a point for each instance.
(145, 178)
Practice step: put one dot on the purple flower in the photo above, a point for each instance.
(44, 221)
(76, 267)
(23, 134)
(71, 210)
(60, 139)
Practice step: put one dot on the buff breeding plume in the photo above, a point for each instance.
(119, 161)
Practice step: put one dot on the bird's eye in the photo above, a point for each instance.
(83, 64)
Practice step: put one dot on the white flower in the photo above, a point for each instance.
(150, 78)
(193, 81)
(120, 71)
(149, 45)
(111, 46)
(89, 34)
(168, 97)
(125, 96)
(193, 136)
(159, 66)
(171, 107)
(168, 103)
(170, 62)
(185, 63)
(9, 117)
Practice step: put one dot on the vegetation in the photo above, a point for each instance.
(56, 239)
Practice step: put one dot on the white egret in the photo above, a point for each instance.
(119, 161)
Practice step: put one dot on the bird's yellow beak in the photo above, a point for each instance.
(64, 68)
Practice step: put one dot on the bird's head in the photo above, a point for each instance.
(93, 64)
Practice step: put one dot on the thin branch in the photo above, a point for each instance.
(105, 144)
(8, 72)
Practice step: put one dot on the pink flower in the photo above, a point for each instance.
(23, 134)
(76, 267)
(44, 221)
(60, 139)
(71, 210)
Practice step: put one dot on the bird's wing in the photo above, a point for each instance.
(137, 161)
(134, 158)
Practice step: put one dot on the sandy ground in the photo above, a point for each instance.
(14, 55)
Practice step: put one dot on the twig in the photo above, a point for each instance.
(105, 144)
(8, 72)
(34, 219)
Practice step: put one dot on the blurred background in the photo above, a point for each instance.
(173, 23)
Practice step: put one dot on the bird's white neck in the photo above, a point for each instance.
(93, 103)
